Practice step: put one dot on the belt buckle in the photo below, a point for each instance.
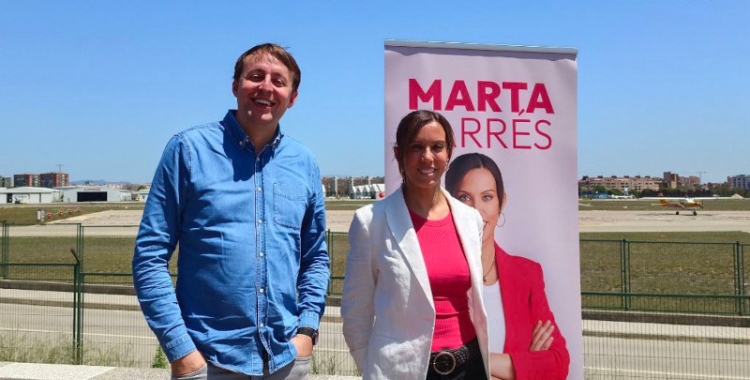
(444, 366)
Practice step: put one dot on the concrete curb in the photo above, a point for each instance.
(34, 371)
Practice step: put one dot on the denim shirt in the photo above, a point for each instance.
(253, 264)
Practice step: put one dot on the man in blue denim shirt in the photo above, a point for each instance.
(244, 203)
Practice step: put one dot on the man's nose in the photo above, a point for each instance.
(265, 84)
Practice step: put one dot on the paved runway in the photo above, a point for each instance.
(589, 221)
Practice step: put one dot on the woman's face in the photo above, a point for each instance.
(478, 189)
(426, 157)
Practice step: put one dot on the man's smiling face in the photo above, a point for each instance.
(263, 91)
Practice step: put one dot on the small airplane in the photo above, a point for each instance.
(681, 204)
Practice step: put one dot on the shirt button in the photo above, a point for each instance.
(262, 324)
(261, 290)
(260, 221)
(259, 189)
(261, 254)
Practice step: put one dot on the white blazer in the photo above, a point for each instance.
(387, 307)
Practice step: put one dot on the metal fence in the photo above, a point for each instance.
(652, 310)
(705, 278)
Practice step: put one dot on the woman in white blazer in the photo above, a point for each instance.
(406, 292)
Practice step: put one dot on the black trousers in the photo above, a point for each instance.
(471, 370)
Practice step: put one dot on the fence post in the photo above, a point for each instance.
(329, 240)
(739, 278)
(77, 336)
(625, 265)
(78, 308)
(79, 312)
(4, 249)
(80, 245)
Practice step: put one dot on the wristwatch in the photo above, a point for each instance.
(309, 331)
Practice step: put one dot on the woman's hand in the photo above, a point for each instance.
(541, 337)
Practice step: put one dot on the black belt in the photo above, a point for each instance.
(446, 361)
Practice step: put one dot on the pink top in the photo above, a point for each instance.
(450, 281)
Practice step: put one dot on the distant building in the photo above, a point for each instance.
(741, 181)
(371, 191)
(637, 183)
(674, 180)
(94, 194)
(691, 181)
(142, 194)
(671, 180)
(6, 182)
(341, 187)
(54, 179)
(26, 180)
(26, 195)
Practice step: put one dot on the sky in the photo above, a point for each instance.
(97, 88)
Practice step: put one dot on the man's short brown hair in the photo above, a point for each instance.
(275, 51)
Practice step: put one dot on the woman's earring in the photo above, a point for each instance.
(502, 216)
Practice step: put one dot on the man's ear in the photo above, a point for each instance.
(292, 98)
(235, 85)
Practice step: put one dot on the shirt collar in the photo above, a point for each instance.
(239, 135)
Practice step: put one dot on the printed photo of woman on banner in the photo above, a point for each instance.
(525, 341)
(514, 113)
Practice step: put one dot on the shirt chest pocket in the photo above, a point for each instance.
(289, 205)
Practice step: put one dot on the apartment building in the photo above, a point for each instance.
(26, 180)
(6, 182)
(54, 179)
(636, 183)
(741, 181)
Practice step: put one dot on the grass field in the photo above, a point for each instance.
(690, 237)
(346, 204)
(702, 260)
(688, 263)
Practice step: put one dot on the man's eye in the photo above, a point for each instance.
(438, 148)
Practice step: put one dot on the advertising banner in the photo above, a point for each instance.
(515, 106)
